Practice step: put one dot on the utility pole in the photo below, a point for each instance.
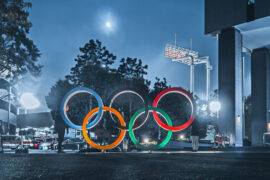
(9, 107)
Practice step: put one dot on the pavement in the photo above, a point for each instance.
(143, 165)
(39, 151)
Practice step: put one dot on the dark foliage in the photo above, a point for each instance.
(18, 53)
(94, 69)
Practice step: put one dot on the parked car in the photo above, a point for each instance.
(21, 149)
(44, 145)
(28, 142)
(49, 143)
(10, 141)
(39, 140)
(53, 145)
(35, 145)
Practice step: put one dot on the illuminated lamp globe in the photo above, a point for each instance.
(214, 106)
(146, 140)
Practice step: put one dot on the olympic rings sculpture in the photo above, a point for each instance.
(98, 111)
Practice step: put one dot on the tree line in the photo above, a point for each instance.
(95, 68)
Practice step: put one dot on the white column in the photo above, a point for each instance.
(208, 69)
(192, 75)
(238, 91)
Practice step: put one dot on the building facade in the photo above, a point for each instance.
(8, 114)
(241, 26)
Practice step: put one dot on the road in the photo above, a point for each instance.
(168, 165)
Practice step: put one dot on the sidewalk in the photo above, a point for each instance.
(249, 149)
(39, 151)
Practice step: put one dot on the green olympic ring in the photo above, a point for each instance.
(140, 112)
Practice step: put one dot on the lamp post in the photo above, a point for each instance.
(190, 58)
(9, 107)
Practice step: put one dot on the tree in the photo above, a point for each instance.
(94, 56)
(18, 53)
(131, 72)
(132, 68)
(159, 85)
(93, 70)
(53, 101)
(176, 106)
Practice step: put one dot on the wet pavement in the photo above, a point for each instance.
(163, 165)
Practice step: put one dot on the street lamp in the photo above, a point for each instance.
(204, 107)
(182, 136)
(214, 106)
(146, 140)
(190, 58)
(29, 101)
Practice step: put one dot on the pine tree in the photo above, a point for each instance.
(18, 53)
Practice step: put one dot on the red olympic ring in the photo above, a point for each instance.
(168, 91)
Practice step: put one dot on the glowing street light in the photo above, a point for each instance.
(214, 106)
(204, 107)
(29, 101)
(181, 136)
(146, 140)
(190, 58)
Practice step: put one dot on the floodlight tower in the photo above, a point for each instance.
(190, 58)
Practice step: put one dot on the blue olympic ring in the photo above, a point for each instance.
(77, 91)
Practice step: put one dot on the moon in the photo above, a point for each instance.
(108, 25)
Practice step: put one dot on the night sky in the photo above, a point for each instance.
(138, 29)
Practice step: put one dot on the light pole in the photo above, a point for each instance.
(9, 107)
(191, 74)
(9, 99)
(190, 58)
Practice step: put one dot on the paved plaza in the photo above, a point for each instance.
(144, 165)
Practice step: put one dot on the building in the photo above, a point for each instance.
(35, 120)
(9, 114)
(6, 116)
(241, 27)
